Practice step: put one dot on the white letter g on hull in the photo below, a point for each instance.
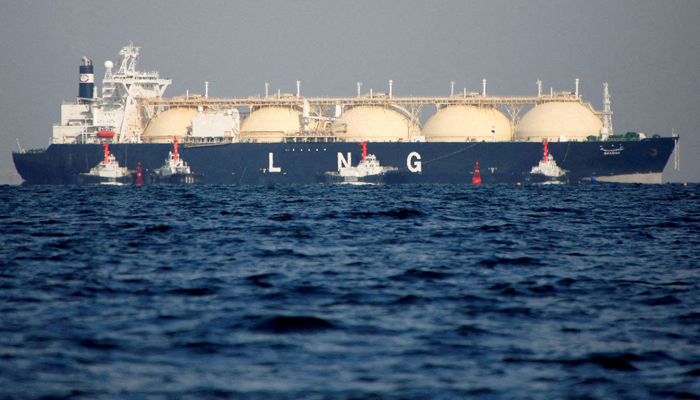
(415, 166)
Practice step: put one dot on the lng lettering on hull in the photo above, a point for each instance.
(287, 138)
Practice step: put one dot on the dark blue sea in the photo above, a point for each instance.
(337, 292)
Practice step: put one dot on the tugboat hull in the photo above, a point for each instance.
(85, 179)
(176, 179)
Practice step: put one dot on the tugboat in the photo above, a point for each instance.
(367, 172)
(547, 172)
(175, 170)
(107, 172)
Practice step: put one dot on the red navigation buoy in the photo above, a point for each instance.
(139, 176)
(546, 149)
(476, 179)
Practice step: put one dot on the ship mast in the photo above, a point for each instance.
(607, 115)
(120, 89)
(129, 54)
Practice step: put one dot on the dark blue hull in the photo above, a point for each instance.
(263, 163)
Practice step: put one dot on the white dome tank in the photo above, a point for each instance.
(573, 121)
(462, 123)
(168, 124)
(270, 124)
(373, 124)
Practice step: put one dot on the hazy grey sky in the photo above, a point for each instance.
(647, 50)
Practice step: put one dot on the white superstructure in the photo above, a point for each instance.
(367, 167)
(116, 110)
(174, 164)
(210, 123)
(548, 168)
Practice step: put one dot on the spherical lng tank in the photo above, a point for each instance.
(373, 124)
(462, 123)
(555, 121)
(168, 124)
(270, 124)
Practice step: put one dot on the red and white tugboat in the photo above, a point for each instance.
(547, 171)
(367, 172)
(175, 169)
(107, 172)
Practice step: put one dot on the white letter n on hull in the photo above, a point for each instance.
(344, 163)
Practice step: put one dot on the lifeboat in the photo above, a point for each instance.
(105, 134)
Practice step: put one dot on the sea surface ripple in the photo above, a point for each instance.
(336, 292)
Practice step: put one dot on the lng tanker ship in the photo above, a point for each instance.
(286, 138)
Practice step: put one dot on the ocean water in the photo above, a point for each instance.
(336, 292)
